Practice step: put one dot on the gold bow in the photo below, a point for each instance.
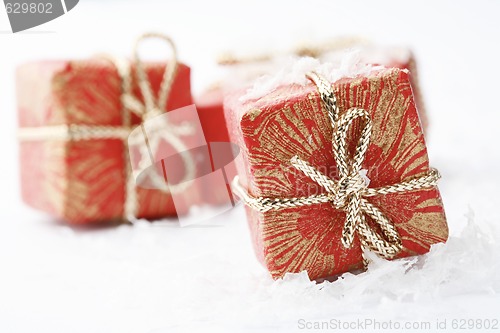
(160, 128)
(350, 191)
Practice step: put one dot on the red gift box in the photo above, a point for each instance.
(292, 122)
(211, 114)
(84, 180)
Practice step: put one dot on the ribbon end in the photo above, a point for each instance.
(347, 243)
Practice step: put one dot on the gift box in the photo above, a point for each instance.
(329, 170)
(74, 124)
(211, 114)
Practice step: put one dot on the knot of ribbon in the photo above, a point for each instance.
(350, 191)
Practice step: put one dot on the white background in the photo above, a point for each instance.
(161, 278)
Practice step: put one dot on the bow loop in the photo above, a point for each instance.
(154, 106)
(340, 137)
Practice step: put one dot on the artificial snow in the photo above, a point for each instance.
(464, 265)
(373, 54)
(294, 71)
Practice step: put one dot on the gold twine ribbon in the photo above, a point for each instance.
(350, 191)
(130, 104)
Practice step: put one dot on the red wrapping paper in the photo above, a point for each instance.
(83, 182)
(411, 65)
(211, 113)
(291, 121)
